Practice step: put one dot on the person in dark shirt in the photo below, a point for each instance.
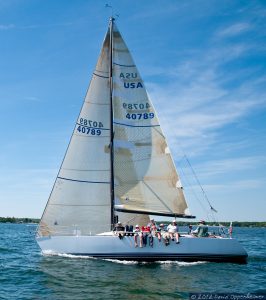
(119, 230)
(202, 230)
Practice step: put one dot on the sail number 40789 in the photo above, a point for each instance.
(140, 116)
(89, 127)
(88, 130)
(90, 123)
(136, 106)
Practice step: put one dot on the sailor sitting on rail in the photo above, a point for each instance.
(138, 233)
(165, 235)
(155, 231)
(119, 230)
(173, 231)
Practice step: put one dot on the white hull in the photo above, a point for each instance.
(189, 248)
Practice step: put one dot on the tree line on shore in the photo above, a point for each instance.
(235, 224)
(18, 220)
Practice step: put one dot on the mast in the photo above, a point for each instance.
(112, 195)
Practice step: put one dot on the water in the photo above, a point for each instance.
(27, 274)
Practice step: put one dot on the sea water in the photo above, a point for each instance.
(25, 273)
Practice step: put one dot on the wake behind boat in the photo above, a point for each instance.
(118, 167)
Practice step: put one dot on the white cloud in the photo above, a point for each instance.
(33, 26)
(198, 111)
(233, 30)
(32, 99)
(229, 165)
(199, 100)
(6, 27)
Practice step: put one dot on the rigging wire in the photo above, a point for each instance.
(212, 209)
(204, 194)
(185, 178)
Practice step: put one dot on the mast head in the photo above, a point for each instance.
(112, 12)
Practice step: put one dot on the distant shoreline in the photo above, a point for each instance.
(181, 223)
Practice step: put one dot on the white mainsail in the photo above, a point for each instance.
(145, 179)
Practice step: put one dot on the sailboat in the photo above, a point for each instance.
(118, 168)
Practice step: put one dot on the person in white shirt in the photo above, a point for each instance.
(173, 231)
(164, 234)
(138, 233)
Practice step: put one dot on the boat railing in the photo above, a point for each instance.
(214, 230)
(82, 230)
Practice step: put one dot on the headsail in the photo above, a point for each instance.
(146, 180)
(80, 198)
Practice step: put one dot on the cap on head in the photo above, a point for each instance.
(161, 225)
(202, 221)
(137, 226)
(174, 221)
(119, 223)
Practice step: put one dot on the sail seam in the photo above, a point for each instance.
(153, 192)
(95, 103)
(84, 181)
(90, 136)
(106, 77)
(85, 170)
(99, 71)
(60, 204)
(123, 65)
(117, 123)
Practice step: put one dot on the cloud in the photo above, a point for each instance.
(164, 11)
(203, 94)
(195, 112)
(36, 26)
(6, 27)
(229, 165)
(32, 99)
(64, 24)
(234, 30)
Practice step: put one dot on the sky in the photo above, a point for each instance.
(203, 63)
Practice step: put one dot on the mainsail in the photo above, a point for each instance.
(144, 176)
(146, 180)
